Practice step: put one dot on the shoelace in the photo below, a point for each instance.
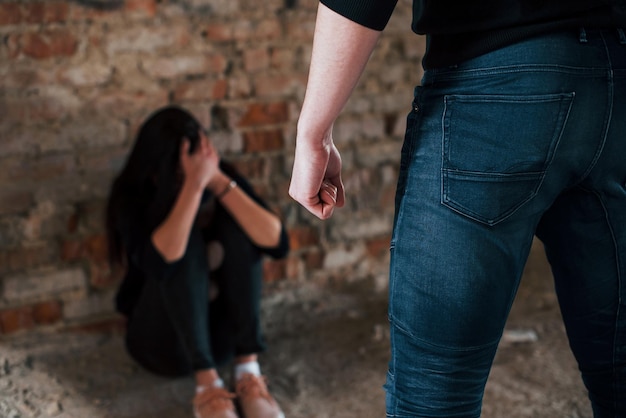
(215, 399)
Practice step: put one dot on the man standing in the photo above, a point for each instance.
(516, 130)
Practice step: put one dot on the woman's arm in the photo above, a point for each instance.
(171, 236)
(341, 48)
(260, 225)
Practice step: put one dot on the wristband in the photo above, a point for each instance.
(230, 187)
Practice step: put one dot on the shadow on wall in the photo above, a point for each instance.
(101, 4)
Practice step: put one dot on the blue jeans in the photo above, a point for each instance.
(526, 140)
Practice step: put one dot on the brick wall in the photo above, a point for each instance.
(78, 77)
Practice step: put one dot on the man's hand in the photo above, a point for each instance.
(316, 179)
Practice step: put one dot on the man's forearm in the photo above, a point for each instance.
(341, 48)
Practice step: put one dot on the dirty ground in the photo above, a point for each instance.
(327, 358)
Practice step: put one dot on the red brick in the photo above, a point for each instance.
(116, 325)
(378, 247)
(47, 44)
(260, 141)
(219, 32)
(16, 319)
(220, 89)
(314, 260)
(301, 237)
(46, 313)
(45, 12)
(265, 114)
(72, 222)
(146, 6)
(274, 270)
(292, 271)
(96, 248)
(251, 168)
(79, 12)
(72, 250)
(10, 13)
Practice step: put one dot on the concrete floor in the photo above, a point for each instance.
(327, 358)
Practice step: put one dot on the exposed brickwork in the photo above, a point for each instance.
(45, 12)
(10, 13)
(378, 247)
(274, 270)
(17, 319)
(265, 114)
(47, 44)
(77, 81)
(46, 313)
(303, 237)
(260, 141)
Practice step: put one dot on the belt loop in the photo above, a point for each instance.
(622, 37)
(583, 36)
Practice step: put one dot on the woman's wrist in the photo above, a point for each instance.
(230, 186)
(219, 184)
(192, 186)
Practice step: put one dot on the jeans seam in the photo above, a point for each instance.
(616, 394)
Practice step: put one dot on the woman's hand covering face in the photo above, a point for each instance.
(201, 166)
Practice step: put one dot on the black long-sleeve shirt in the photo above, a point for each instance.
(459, 30)
(146, 263)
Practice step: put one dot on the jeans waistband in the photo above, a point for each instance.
(586, 50)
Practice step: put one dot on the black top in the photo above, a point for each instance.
(144, 262)
(459, 30)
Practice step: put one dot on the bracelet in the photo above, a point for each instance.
(230, 187)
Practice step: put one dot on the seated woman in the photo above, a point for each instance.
(191, 233)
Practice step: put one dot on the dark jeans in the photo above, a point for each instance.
(174, 330)
(529, 139)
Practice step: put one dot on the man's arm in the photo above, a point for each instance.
(341, 48)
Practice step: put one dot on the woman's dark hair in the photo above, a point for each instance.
(143, 193)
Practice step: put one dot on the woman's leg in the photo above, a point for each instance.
(239, 279)
(168, 330)
(235, 314)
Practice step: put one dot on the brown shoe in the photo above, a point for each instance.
(214, 402)
(254, 399)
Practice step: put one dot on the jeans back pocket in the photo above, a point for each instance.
(496, 150)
